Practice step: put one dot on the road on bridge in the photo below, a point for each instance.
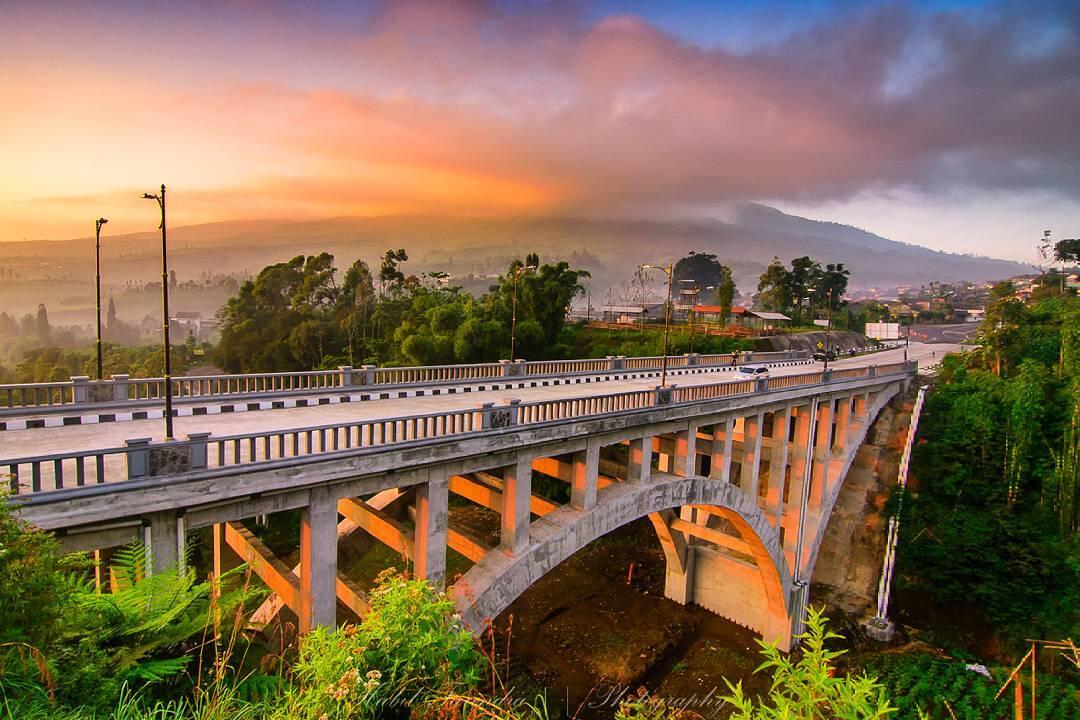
(43, 441)
(950, 334)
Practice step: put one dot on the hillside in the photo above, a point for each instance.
(60, 272)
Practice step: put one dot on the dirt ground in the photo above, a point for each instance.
(592, 632)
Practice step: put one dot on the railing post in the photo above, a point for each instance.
(493, 417)
(693, 358)
(197, 442)
(120, 388)
(512, 368)
(367, 374)
(826, 376)
(662, 395)
(138, 458)
(871, 371)
(512, 410)
(761, 384)
(616, 362)
(346, 375)
(80, 389)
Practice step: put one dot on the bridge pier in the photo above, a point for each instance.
(429, 541)
(164, 539)
(516, 499)
(318, 561)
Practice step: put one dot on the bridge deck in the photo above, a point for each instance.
(43, 441)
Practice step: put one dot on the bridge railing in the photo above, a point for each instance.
(142, 458)
(121, 389)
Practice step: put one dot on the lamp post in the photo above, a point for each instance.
(165, 313)
(97, 275)
(828, 329)
(518, 272)
(667, 318)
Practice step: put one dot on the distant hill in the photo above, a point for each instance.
(611, 249)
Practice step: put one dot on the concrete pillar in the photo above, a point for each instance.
(792, 514)
(164, 537)
(429, 542)
(367, 374)
(751, 454)
(583, 481)
(80, 389)
(678, 556)
(318, 561)
(778, 630)
(120, 388)
(138, 457)
(639, 465)
(843, 417)
(197, 442)
(679, 581)
(861, 407)
(822, 448)
(686, 451)
(723, 432)
(516, 495)
(778, 462)
(346, 375)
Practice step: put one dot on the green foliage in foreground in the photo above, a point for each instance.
(808, 686)
(944, 689)
(410, 648)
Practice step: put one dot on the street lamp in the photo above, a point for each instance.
(828, 326)
(97, 274)
(667, 317)
(518, 272)
(165, 313)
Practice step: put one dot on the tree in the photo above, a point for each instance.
(713, 279)
(172, 280)
(1067, 251)
(774, 288)
(42, 329)
(111, 318)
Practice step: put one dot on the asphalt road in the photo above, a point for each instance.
(935, 334)
(41, 441)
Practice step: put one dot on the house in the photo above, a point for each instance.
(630, 314)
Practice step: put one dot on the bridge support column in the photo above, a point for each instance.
(793, 516)
(583, 482)
(639, 465)
(686, 451)
(429, 542)
(861, 407)
(164, 538)
(750, 468)
(678, 557)
(318, 561)
(516, 497)
(720, 465)
(778, 464)
(822, 451)
(843, 418)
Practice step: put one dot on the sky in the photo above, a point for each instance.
(951, 124)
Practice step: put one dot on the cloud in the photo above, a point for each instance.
(619, 116)
(503, 107)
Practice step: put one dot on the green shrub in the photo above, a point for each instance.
(809, 687)
(410, 647)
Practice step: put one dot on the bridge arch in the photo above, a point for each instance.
(491, 585)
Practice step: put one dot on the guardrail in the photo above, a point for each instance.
(142, 458)
(119, 389)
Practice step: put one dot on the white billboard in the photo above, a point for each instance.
(883, 331)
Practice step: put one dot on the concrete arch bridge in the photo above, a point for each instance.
(737, 477)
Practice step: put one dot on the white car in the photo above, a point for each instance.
(754, 371)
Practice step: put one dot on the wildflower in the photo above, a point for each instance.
(374, 675)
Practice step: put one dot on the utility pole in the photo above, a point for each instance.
(667, 318)
(97, 275)
(165, 312)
